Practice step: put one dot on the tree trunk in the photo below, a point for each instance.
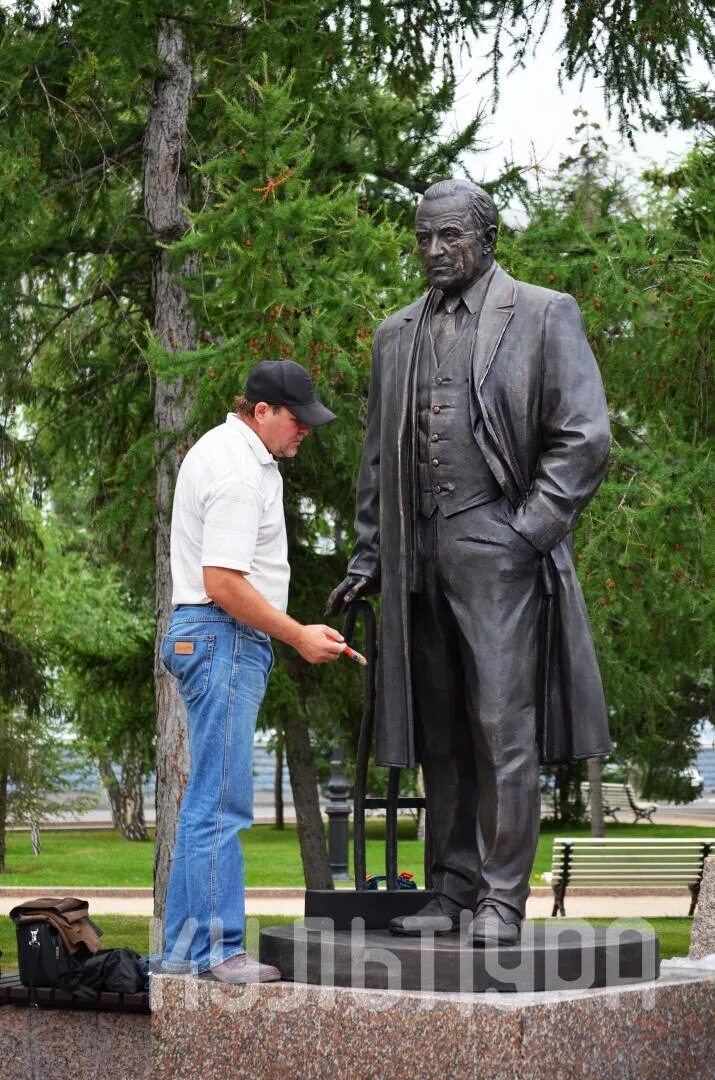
(166, 190)
(421, 814)
(3, 815)
(126, 798)
(4, 741)
(304, 781)
(133, 823)
(278, 785)
(570, 802)
(595, 797)
(111, 786)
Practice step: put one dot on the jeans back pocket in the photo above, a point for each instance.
(188, 659)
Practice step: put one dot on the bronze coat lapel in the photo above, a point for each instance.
(497, 313)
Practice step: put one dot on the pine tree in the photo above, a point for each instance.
(643, 278)
(84, 270)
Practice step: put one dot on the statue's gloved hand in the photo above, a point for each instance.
(347, 591)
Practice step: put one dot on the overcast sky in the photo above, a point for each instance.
(534, 118)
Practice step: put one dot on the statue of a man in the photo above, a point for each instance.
(487, 435)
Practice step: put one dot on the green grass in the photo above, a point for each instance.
(133, 932)
(78, 857)
(129, 932)
(103, 858)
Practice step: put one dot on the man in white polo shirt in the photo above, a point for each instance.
(230, 590)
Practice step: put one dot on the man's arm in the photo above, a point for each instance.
(575, 436)
(235, 595)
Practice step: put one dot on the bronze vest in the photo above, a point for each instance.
(451, 470)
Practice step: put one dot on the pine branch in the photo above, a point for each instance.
(386, 172)
(111, 290)
(109, 158)
(87, 393)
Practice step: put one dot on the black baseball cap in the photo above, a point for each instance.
(283, 382)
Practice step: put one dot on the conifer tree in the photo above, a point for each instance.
(88, 349)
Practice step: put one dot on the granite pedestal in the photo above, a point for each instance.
(59, 1044)
(702, 939)
(648, 1031)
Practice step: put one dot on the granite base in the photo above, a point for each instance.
(54, 1044)
(648, 1031)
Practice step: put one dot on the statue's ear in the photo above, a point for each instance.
(490, 238)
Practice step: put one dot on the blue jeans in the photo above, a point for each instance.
(222, 668)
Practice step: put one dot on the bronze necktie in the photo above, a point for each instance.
(445, 334)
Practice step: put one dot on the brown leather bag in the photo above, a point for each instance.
(67, 914)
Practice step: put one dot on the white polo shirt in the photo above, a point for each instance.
(228, 511)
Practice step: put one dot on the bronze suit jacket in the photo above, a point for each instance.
(545, 435)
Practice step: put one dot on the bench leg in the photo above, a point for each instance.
(559, 893)
(694, 894)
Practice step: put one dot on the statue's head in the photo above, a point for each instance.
(456, 227)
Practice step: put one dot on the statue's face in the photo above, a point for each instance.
(454, 251)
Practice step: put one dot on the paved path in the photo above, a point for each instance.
(290, 902)
(699, 812)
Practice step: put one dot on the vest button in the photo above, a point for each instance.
(435, 461)
(435, 408)
(435, 438)
(436, 489)
(438, 380)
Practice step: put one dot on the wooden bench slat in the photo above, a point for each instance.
(614, 875)
(620, 797)
(650, 870)
(12, 992)
(581, 860)
(603, 860)
(634, 840)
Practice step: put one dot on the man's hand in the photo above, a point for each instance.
(230, 590)
(319, 644)
(347, 591)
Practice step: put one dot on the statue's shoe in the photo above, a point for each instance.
(439, 916)
(494, 925)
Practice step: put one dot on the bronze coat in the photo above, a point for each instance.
(545, 435)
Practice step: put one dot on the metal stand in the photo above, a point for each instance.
(394, 801)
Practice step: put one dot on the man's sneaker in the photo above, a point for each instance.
(439, 916)
(242, 969)
(493, 925)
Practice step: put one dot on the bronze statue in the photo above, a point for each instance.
(487, 434)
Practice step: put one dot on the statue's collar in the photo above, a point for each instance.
(472, 297)
(499, 289)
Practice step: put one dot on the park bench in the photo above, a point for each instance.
(12, 992)
(607, 861)
(620, 797)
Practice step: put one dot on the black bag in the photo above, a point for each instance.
(41, 954)
(46, 963)
(114, 971)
